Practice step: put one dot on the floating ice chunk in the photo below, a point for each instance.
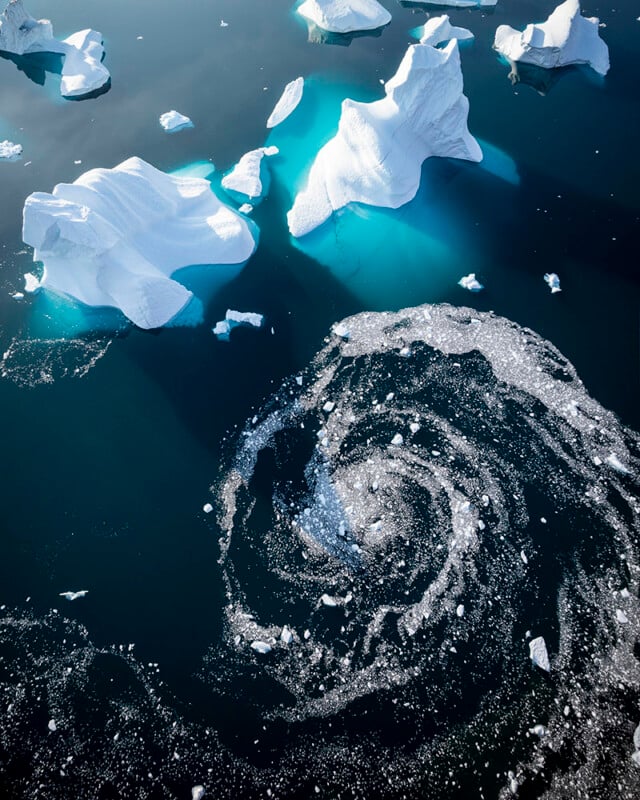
(524, 558)
(613, 461)
(197, 793)
(344, 16)
(341, 330)
(32, 283)
(224, 24)
(621, 617)
(328, 600)
(469, 282)
(552, 281)
(82, 71)
(414, 427)
(74, 595)
(538, 653)
(17, 296)
(397, 440)
(207, 508)
(438, 30)
(261, 647)
(245, 208)
(460, 610)
(9, 151)
(114, 237)
(52, 725)
(247, 177)
(328, 406)
(287, 103)
(539, 730)
(565, 38)
(376, 156)
(286, 636)
(173, 121)
(235, 319)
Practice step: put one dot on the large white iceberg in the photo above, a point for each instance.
(114, 237)
(377, 154)
(565, 38)
(247, 178)
(438, 30)
(344, 16)
(82, 70)
(287, 103)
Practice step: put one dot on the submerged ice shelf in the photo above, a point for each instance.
(377, 154)
(82, 70)
(115, 236)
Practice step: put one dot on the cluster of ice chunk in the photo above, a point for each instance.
(377, 154)
(114, 237)
(345, 16)
(565, 38)
(82, 70)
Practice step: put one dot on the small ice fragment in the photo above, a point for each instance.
(286, 636)
(260, 647)
(234, 319)
(74, 595)
(9, 151)
(469, 282)
(327, 600)
(299, 380)
(397, 440)
(17, 295)
(207, 508)
(197, 793)
(485, 500)
(621, 616)
(341, 330)
(625, 593)
(328, 406)
(287, 103)
(460, 610)
(139, 38)
(553, 282)
(414, 427)
(52, 725)
(245, 208)
(78, 161)
(613, 461)
(307, 634)
(172, 121)
(539, 730)
(31, 283)
(523, 556)
(543, 520)
(538, 653)
(224, 24)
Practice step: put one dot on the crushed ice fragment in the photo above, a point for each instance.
(397, 440)
(552, 281)
(327, 600)
(260, 647)
(538, 653)
(207, 508)
(31, 283)
(460, 610)
(621, 616)
(539, 730)
(613, 461)
(52, 725)
(74, 595)
(469, 282)
(286, 635)
(197, 793)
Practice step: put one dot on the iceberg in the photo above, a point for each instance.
(247, 178)
(82, 71)
(565, 38)
(287, 103)
(261, 647)
(173, 121)
(376, 156)
(115, 236)
(10, 151)
(538, 653)
(553, 282)
(469, 282)
(234, 319)
(32, 283)
(438, 30)
(345, 16)
(197, 792)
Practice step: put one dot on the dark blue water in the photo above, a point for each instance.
(106, 470)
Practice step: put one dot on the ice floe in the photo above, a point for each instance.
(234, 319)
(471, 283)
(248, 178)
(344, 16)
(376, 156)
(173, 121)
(538, 653)
(287, 103)
(115, 236)
(565, 38)
(439, 29)
(74, 595)
(9, 151)
(82, 71)
(553, 282)
(32, 283)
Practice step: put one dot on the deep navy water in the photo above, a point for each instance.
(113, 438)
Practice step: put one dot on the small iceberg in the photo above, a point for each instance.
(115, 236)
(261, 647)
(565, 38)
(438, 30)
(234, 319)
(286, 636)
(197, 792)
(248, 179)
(74, 595)
(83, 72)
(469, 282)
(345, 16)
(287, 103)
(173, 121)
(377, 154)
(32, 283)
(538, 653)
(552, 281)
(10, 151)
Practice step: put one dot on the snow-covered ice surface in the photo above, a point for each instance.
(439, 29)
(82, 71)
(377, 154)
(115, 236)
(287, 103)
(345, 16)
(173, 121)
(565, 38)
(9, 151)
(249, 179)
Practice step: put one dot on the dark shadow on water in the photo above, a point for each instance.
(36, 65)
(92, 95)
(439, 7)
(318, 35)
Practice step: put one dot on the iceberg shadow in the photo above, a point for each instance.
(35, 66)
(317, 35)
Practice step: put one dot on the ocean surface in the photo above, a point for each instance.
(412, 573)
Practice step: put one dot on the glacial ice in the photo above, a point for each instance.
(376, 156)
(173, 121)
(538, 653)
(438, 30)
(247, 178)
(82, 71)
(471, 283)
(235, 319)
(565, 38)
(114, 237)
(553, 282)
(9, 151)
(345, 16)
(287, 103)
(74, 595)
